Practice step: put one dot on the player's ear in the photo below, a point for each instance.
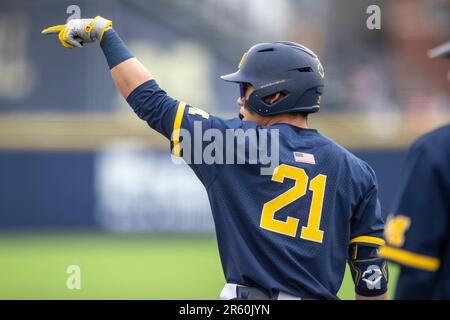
(274, 98)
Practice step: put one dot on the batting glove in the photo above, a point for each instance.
(77, 32)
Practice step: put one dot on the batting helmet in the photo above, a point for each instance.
(285, 67)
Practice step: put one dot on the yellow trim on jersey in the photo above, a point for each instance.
(410, 259)
(176, 129)
(368, 239)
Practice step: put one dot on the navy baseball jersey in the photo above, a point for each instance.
(286, 231)
(417, 233)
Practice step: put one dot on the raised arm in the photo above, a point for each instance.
(126, 71)
(174, 119)
(129, 75)
(132, 79)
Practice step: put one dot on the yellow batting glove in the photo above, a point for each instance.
(77, 32)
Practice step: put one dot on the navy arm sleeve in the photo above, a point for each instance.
(185, 126)
(153, 105)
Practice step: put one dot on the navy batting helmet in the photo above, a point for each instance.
(285, 67)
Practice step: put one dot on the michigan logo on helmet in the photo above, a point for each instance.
(285, 67)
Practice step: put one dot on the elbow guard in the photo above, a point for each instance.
(369, 271)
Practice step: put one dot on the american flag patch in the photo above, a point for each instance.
(304, 157)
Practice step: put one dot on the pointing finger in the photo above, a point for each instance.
(54, 29)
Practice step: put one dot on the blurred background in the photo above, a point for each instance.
(84, 182)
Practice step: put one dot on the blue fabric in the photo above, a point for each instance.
(114, 48)
(424, 199)
(154, 106)
(257, 257)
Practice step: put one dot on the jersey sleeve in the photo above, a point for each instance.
(192, 132)
(415, 232)
(367, 223)
(153, 105)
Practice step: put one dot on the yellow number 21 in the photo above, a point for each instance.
(289, 227)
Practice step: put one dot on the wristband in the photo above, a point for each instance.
(114, 48)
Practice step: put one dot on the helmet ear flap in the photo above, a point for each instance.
(257, 100)
(311, 97)
(282, 95)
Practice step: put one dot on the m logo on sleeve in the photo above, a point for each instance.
(395, 229)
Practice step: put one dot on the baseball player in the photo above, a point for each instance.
(418, 232)
(286, 235)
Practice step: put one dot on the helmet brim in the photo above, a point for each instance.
(233, 77)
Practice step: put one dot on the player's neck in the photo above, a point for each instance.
(293, 120)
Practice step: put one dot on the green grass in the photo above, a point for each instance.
(116, 267)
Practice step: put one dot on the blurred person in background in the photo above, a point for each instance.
(266, 255)
(418, 231)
